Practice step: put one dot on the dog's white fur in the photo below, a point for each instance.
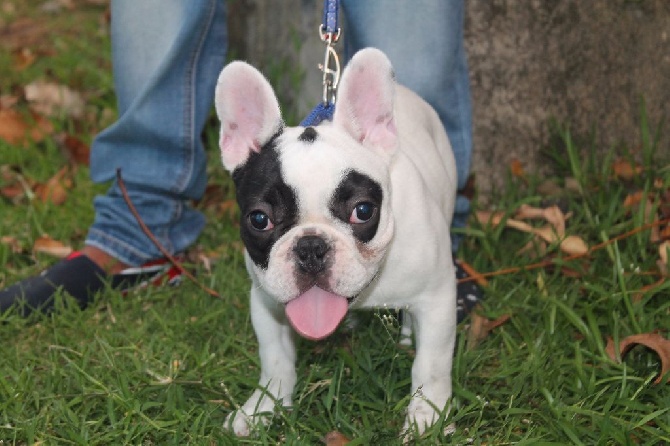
(393, 136)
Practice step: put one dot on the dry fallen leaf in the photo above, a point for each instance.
(654, 341)
(227, 209)
(49, 246)
(53, 99)
(23, 58)
(55, 189)
(480, 327)
(335, 439)
(552, 214)
(516, 167)
(24, 32)
(76, 150)
(16, 128)
(662, 263)
(571, 244)
(13, 243)
(625, 170)
(489, 218)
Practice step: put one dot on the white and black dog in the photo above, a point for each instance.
(351, 214)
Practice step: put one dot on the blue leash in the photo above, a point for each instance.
(329, 24)
(329, 32)
(322, 112)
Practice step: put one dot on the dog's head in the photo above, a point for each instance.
(316, 217)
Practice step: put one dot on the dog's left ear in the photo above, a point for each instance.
(248, 110)
(365, 100)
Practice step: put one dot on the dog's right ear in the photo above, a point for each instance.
(248, 110)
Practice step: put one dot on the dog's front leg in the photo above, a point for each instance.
(277, 355)
(435, 332)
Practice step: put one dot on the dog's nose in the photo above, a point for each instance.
(311, 253)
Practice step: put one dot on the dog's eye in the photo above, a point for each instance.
(260, 221)
(362, 213)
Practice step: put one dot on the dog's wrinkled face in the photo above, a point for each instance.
(311, 216)
(316, 218)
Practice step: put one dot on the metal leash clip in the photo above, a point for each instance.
(330, 32)
(331, 72)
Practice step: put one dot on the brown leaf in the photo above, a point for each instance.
(634, 199)
(13, 191)
(23, 32)
(8, 100)
(13, 243)
(573, 245)
(16, 129)
(552, 214)
(55, 189)
(625, 170)
(76, 150)
(49, 246)
(53, 99)
(15, 185)
(23, 58)
(654, 341)
(520, 225)
(489, 218)
(335, 439)
(516, 167)
(227, 208)
(480, 327)
(662, 263)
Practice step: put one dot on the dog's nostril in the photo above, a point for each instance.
(311, 253)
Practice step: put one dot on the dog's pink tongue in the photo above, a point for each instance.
(316, 313)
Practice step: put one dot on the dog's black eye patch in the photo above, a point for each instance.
(309, 135)
(262, 193)
(355, 191)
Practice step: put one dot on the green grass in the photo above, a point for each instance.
(165, 366)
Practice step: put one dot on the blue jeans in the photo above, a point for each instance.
(424, 41)
(167, 55)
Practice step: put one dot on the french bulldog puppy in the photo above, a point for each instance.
(354, 213)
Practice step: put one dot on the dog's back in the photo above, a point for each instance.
(425, 143)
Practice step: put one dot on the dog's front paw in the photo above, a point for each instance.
(243, 424)
(421, 415)
(256, 412)
(239, 422)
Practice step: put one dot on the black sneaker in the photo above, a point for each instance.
(468, 294)
(81, 278)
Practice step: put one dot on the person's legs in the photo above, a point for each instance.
(424, 41)
(167, 55)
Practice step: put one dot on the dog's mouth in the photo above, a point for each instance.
(316, 313)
